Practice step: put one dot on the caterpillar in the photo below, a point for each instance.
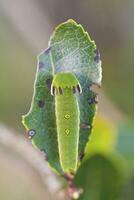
(64, 86)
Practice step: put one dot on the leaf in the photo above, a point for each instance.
(100, 179)
(125, 144)
(73, 51)
(41, 117)
(103, 139)
(70, 50)
(128, 190)
(125, 148)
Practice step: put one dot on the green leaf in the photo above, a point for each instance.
(103, 139)
(70, 50)
(41, 117)
(128, 190)
(125, 147)
(125, 144)
(100, 179)
(73, 51)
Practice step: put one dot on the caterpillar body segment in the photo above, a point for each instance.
(64, 85)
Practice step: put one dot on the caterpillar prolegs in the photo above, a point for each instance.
(64, 86)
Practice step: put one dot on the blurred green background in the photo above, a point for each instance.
(25, 27)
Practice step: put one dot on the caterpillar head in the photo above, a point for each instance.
(62, 81)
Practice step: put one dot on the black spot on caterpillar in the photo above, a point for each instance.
(60, 90)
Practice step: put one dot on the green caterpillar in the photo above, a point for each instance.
(64, 86)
